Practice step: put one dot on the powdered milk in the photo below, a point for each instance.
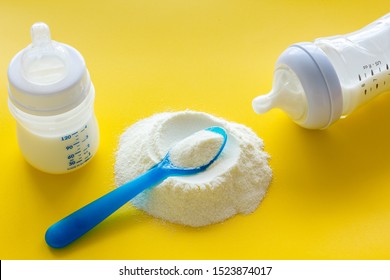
(196, 150)
(235, 183)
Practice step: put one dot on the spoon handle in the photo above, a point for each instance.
(81, 221)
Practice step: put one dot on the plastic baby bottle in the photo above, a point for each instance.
(51, 97)
(317, 83)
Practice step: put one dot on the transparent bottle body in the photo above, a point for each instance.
(362, 62)
(59, 143)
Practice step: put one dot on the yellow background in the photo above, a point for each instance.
(330, 195)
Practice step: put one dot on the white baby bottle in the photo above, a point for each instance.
(51, 97)
(317, 83)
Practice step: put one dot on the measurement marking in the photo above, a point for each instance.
(365, 91)
(84, 140)
(85, 149)
(384, 82)
(363, 85)
(79, 161)
(370, 88)
(77, 152)
(76, 143)
(387, 66)
(74, 133)
(380, 69)
(376, 85)
(360, 78)
(372, 72)
(365, 75)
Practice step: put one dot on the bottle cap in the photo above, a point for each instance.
(322, 102)
(47, 77)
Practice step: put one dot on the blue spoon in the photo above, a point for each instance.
(80, 222)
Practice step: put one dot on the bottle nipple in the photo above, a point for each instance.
(287, 94)
(44, 61)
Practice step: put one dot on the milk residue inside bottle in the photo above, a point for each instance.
(51, 97)
(318, 83)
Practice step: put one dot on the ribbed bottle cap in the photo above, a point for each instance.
(319, 81)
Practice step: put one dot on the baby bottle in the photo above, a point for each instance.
(317, 83)
(51, 97)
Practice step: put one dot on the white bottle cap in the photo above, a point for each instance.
(47, 78)
(320, 83)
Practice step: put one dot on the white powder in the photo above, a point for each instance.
(235, 183)
(196, 150)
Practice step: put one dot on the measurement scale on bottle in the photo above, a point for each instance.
(375, 78)
(78, 147)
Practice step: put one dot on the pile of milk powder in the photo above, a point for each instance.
(235, 183)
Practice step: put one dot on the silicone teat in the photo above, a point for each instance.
(44, 61)
(287, 94)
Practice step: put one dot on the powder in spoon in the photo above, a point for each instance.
(196, 150)
(234, 184)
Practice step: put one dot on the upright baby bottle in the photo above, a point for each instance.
(317, 83)
(51, 97)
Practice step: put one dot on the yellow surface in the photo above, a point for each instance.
(330, 196)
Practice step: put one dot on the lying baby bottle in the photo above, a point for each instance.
(51, 97)
(317, 83)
